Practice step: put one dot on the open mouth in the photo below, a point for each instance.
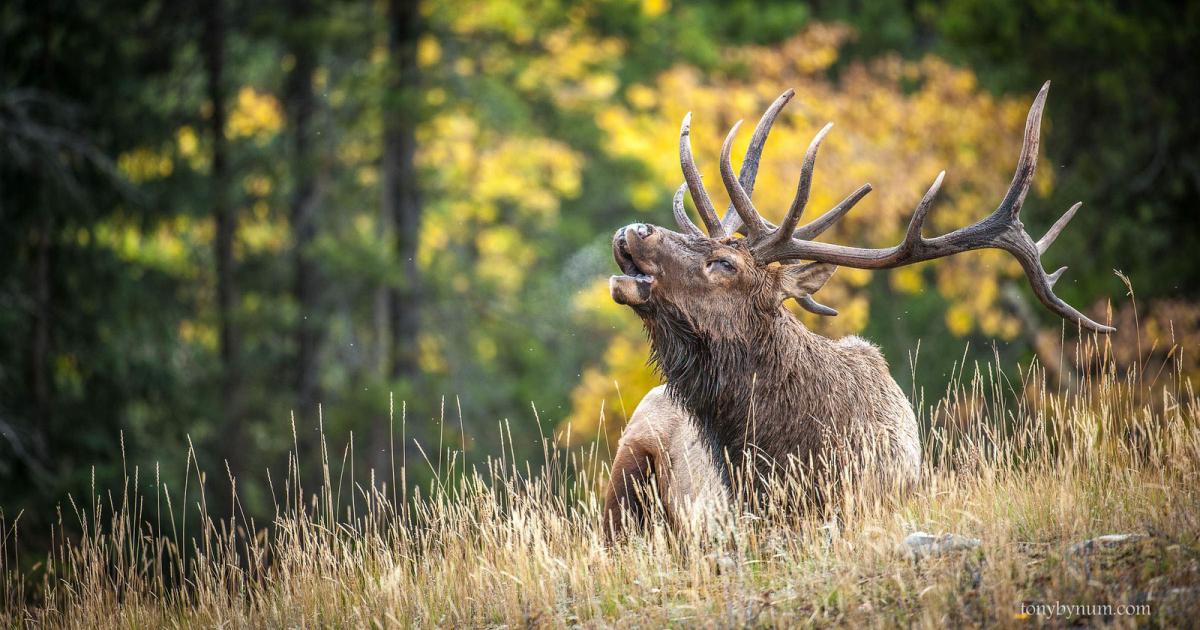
(626, 261)
(634, 287)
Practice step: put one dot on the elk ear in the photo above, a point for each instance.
(801, 281)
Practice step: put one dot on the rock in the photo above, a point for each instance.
(1108, 541)
(724, 563)
(921, 544)
(831, 530)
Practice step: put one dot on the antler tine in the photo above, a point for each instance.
(681, 215)
(912, 237)
(1052, 278)
(809, 304)
(823, 222)
(695, 184)
(738, 195)
(1002, 229)
(1057, 228)
(749, 170)
(1027, 163)
(803, 187)
(1043, 288)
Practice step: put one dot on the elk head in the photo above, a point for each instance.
(714, 284)
(719, 282)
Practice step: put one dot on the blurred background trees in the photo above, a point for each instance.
(213, 218)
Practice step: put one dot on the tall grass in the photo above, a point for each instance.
(1026, 468)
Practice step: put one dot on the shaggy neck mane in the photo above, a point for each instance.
(748, 391)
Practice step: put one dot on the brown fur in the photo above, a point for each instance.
(748, 376)
(661, 452)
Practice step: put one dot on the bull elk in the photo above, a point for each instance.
(744, 377)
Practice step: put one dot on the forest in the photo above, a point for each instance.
(239, 236)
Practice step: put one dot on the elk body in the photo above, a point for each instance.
(748, 386)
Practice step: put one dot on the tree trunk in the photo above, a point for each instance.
(39, 367)
(301, 105)
(226, 226)
(41, 379)
(401, 198)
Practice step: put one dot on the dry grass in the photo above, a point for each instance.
(1027, 471)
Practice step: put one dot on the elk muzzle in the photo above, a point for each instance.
(632, 288)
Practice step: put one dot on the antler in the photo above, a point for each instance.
(1002, 229)
(731, 223)
(749, 171)
(695, 185)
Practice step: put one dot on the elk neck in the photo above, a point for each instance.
(759, 389)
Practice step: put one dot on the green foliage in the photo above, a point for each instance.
(1126, 114)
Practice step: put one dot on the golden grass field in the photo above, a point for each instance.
(1028, 470)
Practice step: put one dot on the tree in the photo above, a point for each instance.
(226, 227)
(306, 201)
(401, 198)
(83, 360)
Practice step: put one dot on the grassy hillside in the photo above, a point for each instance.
(1029, 471)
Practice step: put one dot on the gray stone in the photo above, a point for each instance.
(922, 544)
(1108, 541)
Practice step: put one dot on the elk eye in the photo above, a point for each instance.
(720, 264)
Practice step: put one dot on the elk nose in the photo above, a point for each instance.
(644, 230)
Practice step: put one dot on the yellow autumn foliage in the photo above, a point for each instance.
(604, 399)
(187, 147)
(580, 67)
(655, 8)
(143, 164)
(254, 115)
(168, 247)
(481, 175)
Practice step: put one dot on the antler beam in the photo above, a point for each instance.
(1002, 229)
